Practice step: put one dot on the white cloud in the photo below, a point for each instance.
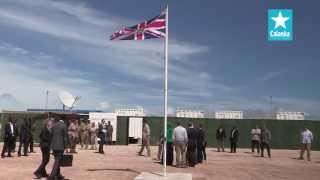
(273, 75)
(105, 105)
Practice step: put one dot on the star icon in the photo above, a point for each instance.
(280, 21)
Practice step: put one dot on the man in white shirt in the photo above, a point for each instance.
(306, 140)
(180, 140)
(255, 139)
(9, 135)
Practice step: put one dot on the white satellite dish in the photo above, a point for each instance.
(67, 99)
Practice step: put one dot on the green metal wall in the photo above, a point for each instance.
(285, 134)
(37, 122)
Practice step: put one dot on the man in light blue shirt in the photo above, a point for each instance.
(306, 140)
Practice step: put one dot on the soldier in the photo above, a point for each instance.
(145, 139)
(109, 133)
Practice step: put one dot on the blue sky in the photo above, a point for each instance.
(220, 58)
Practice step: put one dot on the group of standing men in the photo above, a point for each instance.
(189, 144)
(259, 139)
(221, 137)
(86, 133)
(11, 134)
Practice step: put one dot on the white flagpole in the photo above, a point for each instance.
(166, 95)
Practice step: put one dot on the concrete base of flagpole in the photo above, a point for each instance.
(159, 176)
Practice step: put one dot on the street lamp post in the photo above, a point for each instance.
(271, 110)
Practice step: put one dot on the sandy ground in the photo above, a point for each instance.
(122, 163)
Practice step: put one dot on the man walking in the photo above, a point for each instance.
(234, 137)
(45, 142)
(265, 141)
(145, 139)
(58, 144)
(31, 139)
(255, 139)
(180, 140)
(9, 135)
(24, 137)
(306, 140)
(220, 136)
(192, 145)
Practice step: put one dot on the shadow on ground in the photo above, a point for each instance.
(116, 169)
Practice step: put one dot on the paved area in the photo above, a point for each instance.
(160, 176)
(122, 163)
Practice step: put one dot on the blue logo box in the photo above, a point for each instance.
(280, 25)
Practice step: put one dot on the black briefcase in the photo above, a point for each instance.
(66, 160)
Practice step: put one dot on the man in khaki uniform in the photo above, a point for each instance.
(84, 133)
(109, 133)
(145, 139)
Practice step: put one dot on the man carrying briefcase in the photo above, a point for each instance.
(58, 145)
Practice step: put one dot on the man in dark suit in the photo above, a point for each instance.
(9, 135)
(45, 142)
(220, 136)
(234, 137)
(192, 145)
(201, 144)
(31, 139)
(16, 132)
(58, 144)
(24, 137)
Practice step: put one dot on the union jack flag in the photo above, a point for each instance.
(153, 28)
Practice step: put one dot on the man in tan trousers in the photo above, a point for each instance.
(306, 140)
(145, 139)
(180, 140)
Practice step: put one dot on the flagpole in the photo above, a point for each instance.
(166, 95)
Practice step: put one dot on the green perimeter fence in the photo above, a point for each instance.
(285, 134)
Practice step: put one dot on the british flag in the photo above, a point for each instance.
(153, 28)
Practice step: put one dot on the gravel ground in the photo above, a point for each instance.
(122, 163)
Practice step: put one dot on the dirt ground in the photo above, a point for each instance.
(122, 163)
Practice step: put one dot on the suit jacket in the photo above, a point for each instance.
(192, 136)
(25, 132)
(45, 138)
(265, 136)
(59, 136)
(234, 135)
(220, 135)
(8, 134)
(201, 136)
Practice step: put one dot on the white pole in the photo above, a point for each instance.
(47, 99)
(166, 95)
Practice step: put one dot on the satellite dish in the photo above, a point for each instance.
(67, 99)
